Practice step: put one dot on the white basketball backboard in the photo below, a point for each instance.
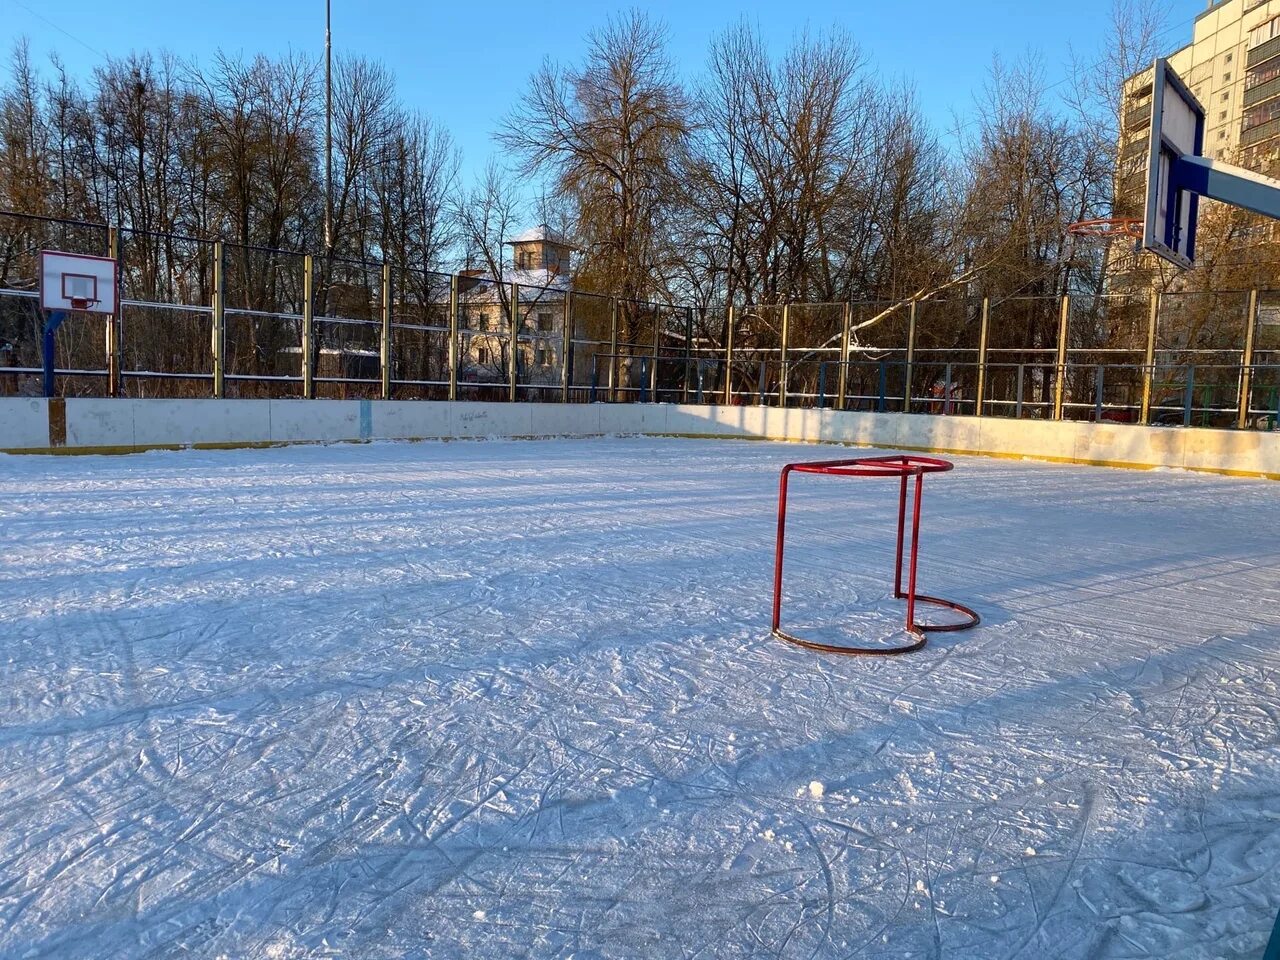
(74, 281)
(1177, 130)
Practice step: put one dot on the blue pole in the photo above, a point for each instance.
(1098, 392)
(595, 375)
(763, 371)
(946, 397)
(50, 327)
(644, 379)
(1021, 373)
(822, 385)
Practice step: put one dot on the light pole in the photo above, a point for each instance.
(328, 127)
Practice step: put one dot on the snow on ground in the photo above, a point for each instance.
(519, 699)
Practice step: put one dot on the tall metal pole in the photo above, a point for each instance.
(328, 127)
(1246, 363)
(1149, 361)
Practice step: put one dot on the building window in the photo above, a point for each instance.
(1222, 115)
(544, 322)
(482, 354)
(1226, 97)
(1222, 134)
(1226, 77)
(540, 357)
(1229, 58)
(1264, 32)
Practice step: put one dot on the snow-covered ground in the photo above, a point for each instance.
(519, 699)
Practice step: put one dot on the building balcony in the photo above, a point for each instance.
(1138, 118)
(1263, 52)
(1263, 91)
(1263, 131)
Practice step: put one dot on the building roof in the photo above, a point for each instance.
(541, 234)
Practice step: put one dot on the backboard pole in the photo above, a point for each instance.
(48, 351)
(1149, 361)
(1246, 362)
(1060, 380)
(219, 331)
(114, 344)
(983, 330)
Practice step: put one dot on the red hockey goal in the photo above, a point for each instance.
(904, 468)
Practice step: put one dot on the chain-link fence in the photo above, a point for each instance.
(207, 318)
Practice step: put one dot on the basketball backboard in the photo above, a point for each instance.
(1177, 131)
(74, 281)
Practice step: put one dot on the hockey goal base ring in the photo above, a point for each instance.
(903, 467)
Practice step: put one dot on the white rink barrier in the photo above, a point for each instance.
(125, 426)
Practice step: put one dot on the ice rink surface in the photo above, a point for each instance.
(498, 699)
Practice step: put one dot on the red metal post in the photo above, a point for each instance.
(777, 555)
(915, 553)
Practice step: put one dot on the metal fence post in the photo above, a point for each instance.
(1060, 380)
(1189, 395)
(386, 332)
(657, 346)
(842, 381)
(1149, 361)
(1099, 393)
(308, 328)
(1246, 363)
(983, 332)
(911, 357)
(728, 360)
(688, 352)
(115, 352)
(946, 388)
(784, 368)
(566, 347)
(515, 343)
(611, 381)
(453, 353)
(1022, 374)
(218, 333)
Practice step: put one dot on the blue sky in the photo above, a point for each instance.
(465, 63)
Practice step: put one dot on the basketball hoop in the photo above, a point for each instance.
(82, 303)
(1107, 228)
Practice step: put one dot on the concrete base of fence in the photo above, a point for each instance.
(127, 426)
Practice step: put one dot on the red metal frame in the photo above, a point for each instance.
(903, 467)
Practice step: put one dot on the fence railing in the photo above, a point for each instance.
(209, 318)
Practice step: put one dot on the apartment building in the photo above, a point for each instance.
(1232, 65)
